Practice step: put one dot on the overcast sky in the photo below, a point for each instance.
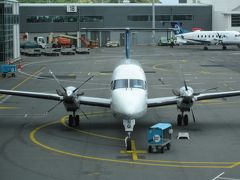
(169, 1)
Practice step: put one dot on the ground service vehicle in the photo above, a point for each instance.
(159, 137)
(8, 69)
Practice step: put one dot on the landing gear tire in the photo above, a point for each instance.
(179, 120)
(77, 120)
(70, 120)
(168, 146)
(162, 150)
(150, 149)
(73, 121)
(224, 47)
(129, 144)
(185, 120)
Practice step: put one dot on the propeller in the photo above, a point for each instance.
(194, 120)
(56, 79)
(84, 113)
(83, 83)
(54, 106)
(185, 84)
(176, 92)
(67, 94)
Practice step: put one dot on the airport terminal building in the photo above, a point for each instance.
(42, 19)
(9, 31)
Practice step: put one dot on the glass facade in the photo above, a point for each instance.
(235, 20)
(8, 19)
(161, 18)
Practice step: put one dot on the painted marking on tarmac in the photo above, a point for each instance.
(134, 152)
(137, 161)
(218, 176)
(225, 178)
(6, 107)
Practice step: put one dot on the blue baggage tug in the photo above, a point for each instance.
(159, 137)
(8, 69)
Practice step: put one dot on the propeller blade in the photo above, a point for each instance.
(194, 120)
(176, 92)
(185, 84)
(83, 113)
(83, 84)
(53, 75)
(54, 106)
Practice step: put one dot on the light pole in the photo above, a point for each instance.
(153, 22)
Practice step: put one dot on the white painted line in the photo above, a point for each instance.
(218, 176)
(5, 99)
(227, 178)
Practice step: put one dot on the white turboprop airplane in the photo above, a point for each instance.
(129, 95)
(207, 38)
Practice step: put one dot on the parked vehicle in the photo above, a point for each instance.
(112, 44)
(8, 69)
(159, 137)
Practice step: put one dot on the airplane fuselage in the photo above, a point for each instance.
(128, 91)
(211, 37)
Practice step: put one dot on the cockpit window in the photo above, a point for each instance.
(136, 83)
(120, 83)
(128, 83)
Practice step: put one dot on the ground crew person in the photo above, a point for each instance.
(171, 42)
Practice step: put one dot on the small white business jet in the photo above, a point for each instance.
(222, 38)
(129, 95)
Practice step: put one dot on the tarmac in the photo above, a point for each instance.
(39, 145)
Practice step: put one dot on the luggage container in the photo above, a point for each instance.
(159, 137)
(8, 69)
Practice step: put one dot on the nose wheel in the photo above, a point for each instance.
(128, 142)
(128, 125)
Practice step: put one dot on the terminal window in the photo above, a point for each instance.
(182, 17)
(235, 20)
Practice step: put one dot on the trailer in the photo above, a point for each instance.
(159, 137)
(6, 69)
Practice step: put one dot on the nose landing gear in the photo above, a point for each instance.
(128, 125)
(181, 118)
(73, 120)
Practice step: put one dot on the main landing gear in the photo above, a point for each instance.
(181, 118)
(73, 120)
(128, 125)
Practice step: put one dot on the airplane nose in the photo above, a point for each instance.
(129, 105)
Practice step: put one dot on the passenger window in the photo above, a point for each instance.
(120, 83)
(137, 83)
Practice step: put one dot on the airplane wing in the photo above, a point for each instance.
(49, 96)
(164, 101)
(200, 41)
(94, 101)
(205, 96)
(91, 101)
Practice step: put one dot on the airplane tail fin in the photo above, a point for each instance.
(178, 28)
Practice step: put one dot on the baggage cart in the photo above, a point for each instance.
(6, 69)
(159, 137)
